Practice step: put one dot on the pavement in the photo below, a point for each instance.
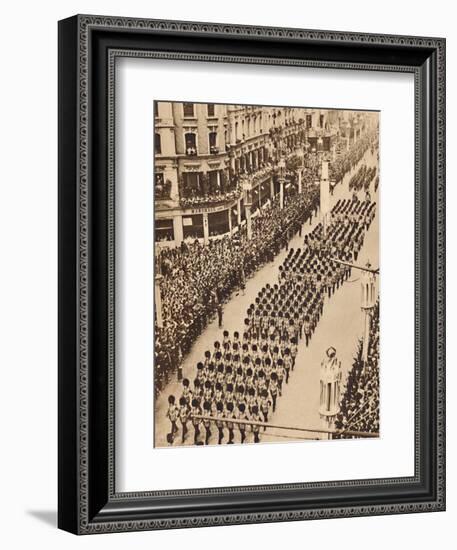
(299, 403)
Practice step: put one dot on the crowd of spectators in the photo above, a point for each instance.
(359, 407)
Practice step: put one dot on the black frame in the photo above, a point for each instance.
(88, 46)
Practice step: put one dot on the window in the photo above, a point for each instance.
(321, 121)
(156, 108)
(164, 230)
(211, 108)
(192, 226)
(213, 143)
(191, 186)
(309, 121)
(191, 143)
(218, 223)
(214, 187)
(162, 187)
(157, 144)
(188, 109)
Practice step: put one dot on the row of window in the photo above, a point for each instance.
(192, 226)
(218, 222)
(189, 112)
(190, 142)
(189, 109)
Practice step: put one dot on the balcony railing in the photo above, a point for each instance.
(209, 195)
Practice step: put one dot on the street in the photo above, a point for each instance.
(340, 326)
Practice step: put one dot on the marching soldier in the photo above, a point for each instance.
(172, 415)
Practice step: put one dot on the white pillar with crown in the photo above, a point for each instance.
(330, 381)
(368, 301)
(157, 293)
(325, 197)
(247, 190)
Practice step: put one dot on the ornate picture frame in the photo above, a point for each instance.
(88, 48)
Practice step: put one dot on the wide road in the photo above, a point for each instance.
(299, 403)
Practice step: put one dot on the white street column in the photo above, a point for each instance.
(158, 299)
(205, 228)
(330, 380)
(272, 188)
(325, 196)
(368, 288)
(238, 212)
(299, 181)
(229, 212)
(282, 169)
(248, 222)
(177, 230)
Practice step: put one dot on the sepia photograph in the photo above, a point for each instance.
(266, 284)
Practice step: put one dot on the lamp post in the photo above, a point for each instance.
(247, 191)
(330, 381)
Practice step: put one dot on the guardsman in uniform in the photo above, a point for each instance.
(186, 391)
(264, 405)
(255, 427)
(219, 423)
(172, 415)
(207, 392)
(228, 376)
(242, 416)
(198, 391)
(184, 411)
(281, 374)
(307, 329)
(274, 389)
(201, 372)
(206, 422)
(220, 375)
(196, 422)
(229, 410)
(218, 394)
(251, 399)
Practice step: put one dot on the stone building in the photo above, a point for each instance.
(204, 152)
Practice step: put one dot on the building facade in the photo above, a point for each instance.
(204, 153)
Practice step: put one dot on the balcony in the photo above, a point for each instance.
(162, 190)
(206, 193)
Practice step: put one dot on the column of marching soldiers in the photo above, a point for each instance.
(243, 376)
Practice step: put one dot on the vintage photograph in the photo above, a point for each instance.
(267, 270)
